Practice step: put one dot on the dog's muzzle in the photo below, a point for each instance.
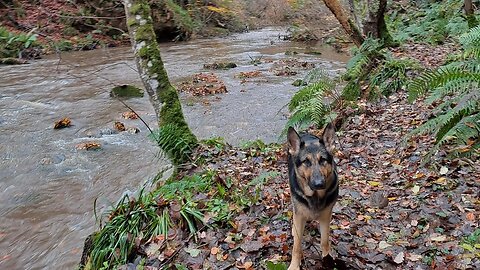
(317, 183)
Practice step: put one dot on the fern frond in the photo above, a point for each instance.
(456, 87)
(471, 43)
(311, 104)
(434, 79)
(309, 92)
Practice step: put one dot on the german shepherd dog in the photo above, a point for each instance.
(313, 186)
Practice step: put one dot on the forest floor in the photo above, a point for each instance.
(394, 212)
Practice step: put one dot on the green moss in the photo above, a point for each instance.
(131, 22)
(127, 91)
(140, 9)
(144, 33)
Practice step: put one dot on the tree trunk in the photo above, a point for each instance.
(347, 24)
(469, 14)
(468, 6)
(162, 94)
(375, 25)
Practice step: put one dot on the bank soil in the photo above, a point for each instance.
(392, 213)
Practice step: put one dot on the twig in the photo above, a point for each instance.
(130, 108)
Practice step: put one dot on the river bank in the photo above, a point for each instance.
(51, 186)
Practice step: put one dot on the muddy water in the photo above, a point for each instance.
(48, 186)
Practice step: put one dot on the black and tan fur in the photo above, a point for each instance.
(313, 186)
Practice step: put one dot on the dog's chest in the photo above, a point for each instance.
(310, 213)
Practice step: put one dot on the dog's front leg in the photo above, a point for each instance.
(297, 232)
(324, 220)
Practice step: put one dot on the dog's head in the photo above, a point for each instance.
(312, 159)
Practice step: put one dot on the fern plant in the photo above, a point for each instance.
(312, 105)
(456, 90)
(359, 66)
(390, 76)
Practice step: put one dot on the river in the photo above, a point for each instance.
(48, 186)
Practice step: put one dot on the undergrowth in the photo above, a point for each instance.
(371, 73)
(186, 203)
(430, 22)
(12, 44)
(454, 91)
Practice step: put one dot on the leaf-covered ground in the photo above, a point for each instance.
(393, 212)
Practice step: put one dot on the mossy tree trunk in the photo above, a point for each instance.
(162, 94)
(347, 24)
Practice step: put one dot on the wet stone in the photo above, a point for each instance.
(126, 91)
(107, 131)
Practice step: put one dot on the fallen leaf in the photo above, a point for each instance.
(399, 258)
(470, 216)
(251, 246)
(438, 238)
(129, 115)
(88, 146)
(63, 123)
(194, 252)
(152, 249)
(374, 183)
(119, 126)
(414, 257)
(214, 250)
(383, 245)
(441, 181)
(246, 265)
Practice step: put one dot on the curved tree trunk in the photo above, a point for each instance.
(347, 24)
(162, 94)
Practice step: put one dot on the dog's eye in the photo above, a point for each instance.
(307, 163)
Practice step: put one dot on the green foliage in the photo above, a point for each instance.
(12, 44)
(172, 140)
(390, 76)
(455, 90)
(373, 66)
(185, 203)
(183, 21)
(312, 104)
(369, 54)
(129, 219)
(217, 142)
(432, 22)
(63, 45)
(471, 243)
(276, 266)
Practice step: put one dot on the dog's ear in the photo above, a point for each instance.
(328, 137)
(293, 141)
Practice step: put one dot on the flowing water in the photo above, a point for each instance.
(48, 186)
